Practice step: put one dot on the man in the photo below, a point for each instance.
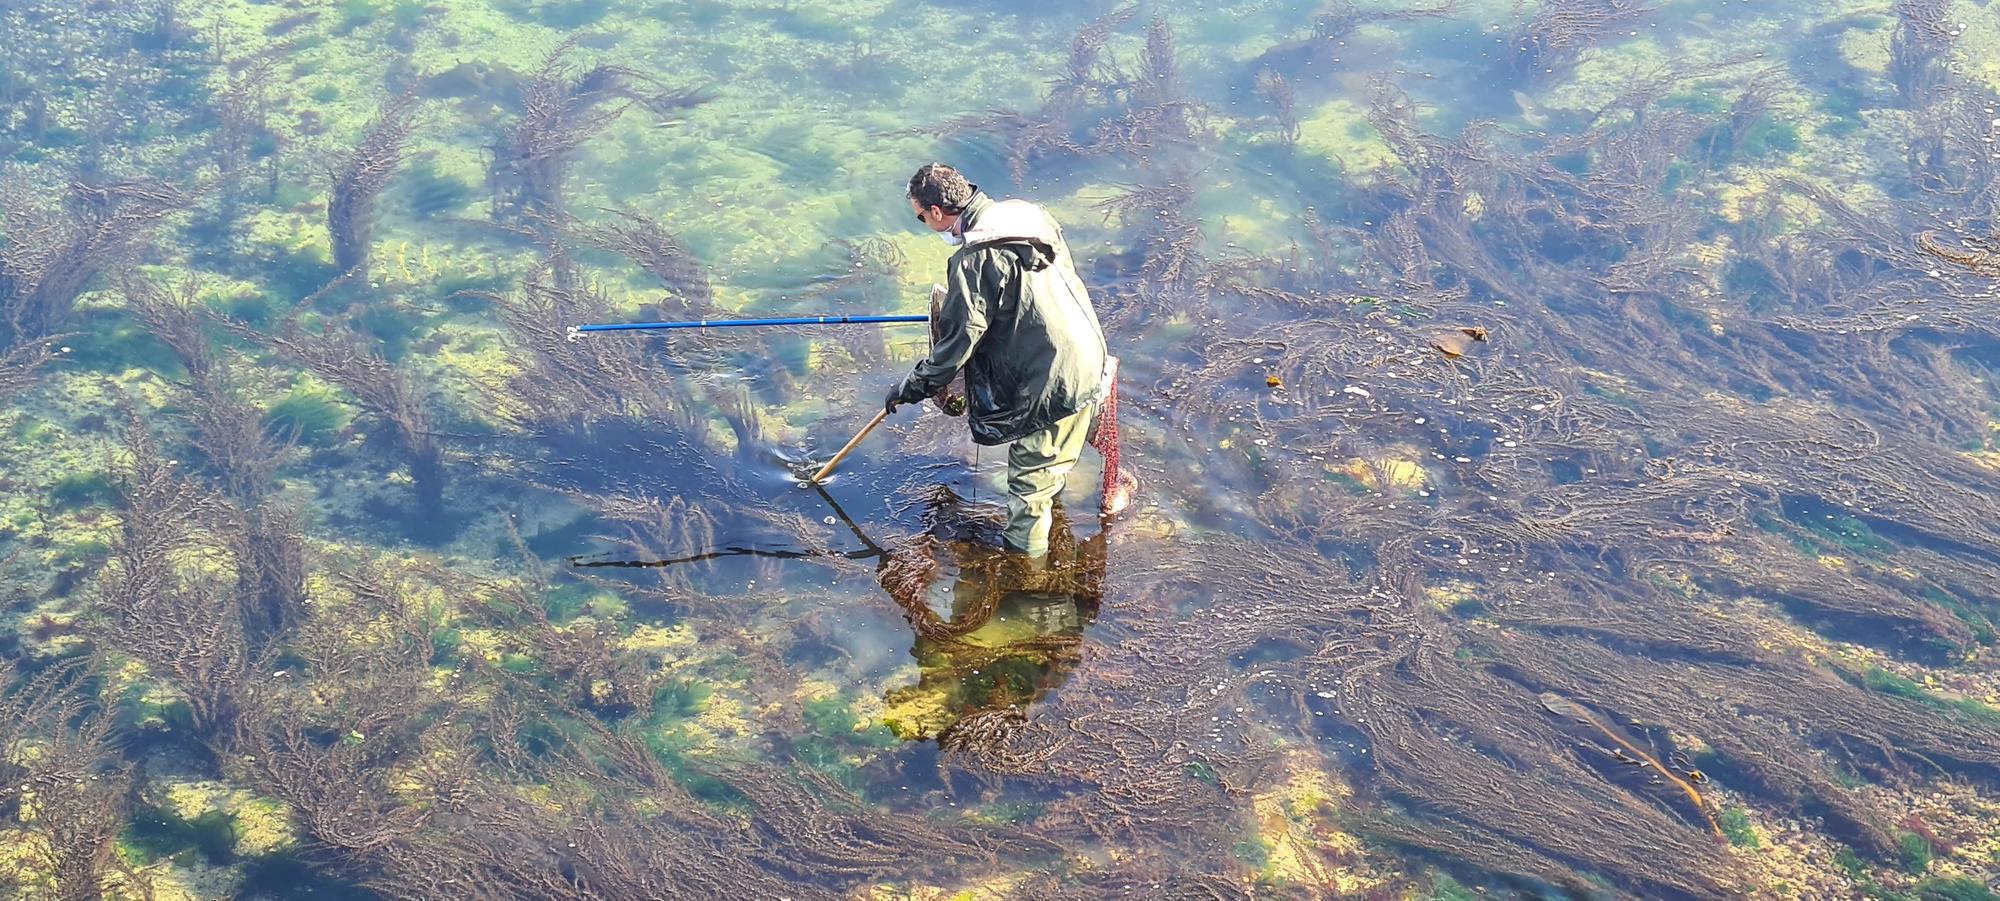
(1017, 320)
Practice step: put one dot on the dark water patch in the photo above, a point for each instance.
(78, 490)
(426, 193)
(1864, 532)
(113, 341)
(292, 877)
(632, 457)
(563, 15)
(397, 516)
(567, 540)
(155, 833)
(288, 274)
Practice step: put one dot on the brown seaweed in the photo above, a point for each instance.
(350, 210)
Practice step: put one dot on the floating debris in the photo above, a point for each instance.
(1454, 344)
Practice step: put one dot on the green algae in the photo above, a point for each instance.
(309, 414)
(1735, 823)
(155, 833)
(76, 491)
(825, 165)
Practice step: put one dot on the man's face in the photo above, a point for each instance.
(933, 217)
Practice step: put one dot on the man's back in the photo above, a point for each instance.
(1040, 353)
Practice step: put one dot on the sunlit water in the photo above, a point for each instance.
(1329, 501)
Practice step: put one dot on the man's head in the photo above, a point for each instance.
(938, 194)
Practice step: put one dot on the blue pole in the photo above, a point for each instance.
(722, 323)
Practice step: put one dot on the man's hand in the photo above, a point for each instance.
(895, 398)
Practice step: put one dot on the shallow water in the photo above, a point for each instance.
(1713, 494)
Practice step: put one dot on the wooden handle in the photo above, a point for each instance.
(830, 464)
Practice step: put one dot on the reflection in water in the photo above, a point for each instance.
(993, 630)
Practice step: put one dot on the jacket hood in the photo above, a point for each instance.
(1013, 222)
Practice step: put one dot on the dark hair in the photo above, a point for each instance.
(939, 185)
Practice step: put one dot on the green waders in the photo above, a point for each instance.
(1037, 466)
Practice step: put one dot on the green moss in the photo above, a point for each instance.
(444, 645)
(1914, 851)
(1983, 629)
(679, 699)
(569, 15)
(352, 14)
(1845, 532)
(296, 272)
(81, 553)
(1698, 99)
(254, 308)
(1876, 678)
(155, 833)
(408, 14)
(1007, 813)
(459, 292)
(1955, 889)
(835, 718)
(1735, 823)
(114, 342)
(567, 602)
(664, 733)
(1445, 888)
(1879, 679)
(392, 325)
(309, 415)
(1769, 136)
(83, 489)
(1255, 853)
(325, 93)
(427, 192)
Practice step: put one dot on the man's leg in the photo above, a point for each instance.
(1037, 466)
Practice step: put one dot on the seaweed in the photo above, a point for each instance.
(48, 260)
(350, 212)
(339, 355)
(1096, 109)
(560, 110)
(1547, 46)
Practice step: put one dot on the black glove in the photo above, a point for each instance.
(895, 398)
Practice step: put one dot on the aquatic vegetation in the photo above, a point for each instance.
(48, 260)
(350, 211)
(559, 112)
(1719, 477)
(338, 355)
(1095, 110)
(1736, 825)
(18, 366)
(62, 779)
(1549, 43)
(155, 833)
(306, 415)
(78, 490)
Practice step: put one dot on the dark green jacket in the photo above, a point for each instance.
(1018, 320)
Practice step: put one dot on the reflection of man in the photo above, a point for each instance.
(1016, 320)
(994, 631)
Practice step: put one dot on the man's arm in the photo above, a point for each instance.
(961, 322)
